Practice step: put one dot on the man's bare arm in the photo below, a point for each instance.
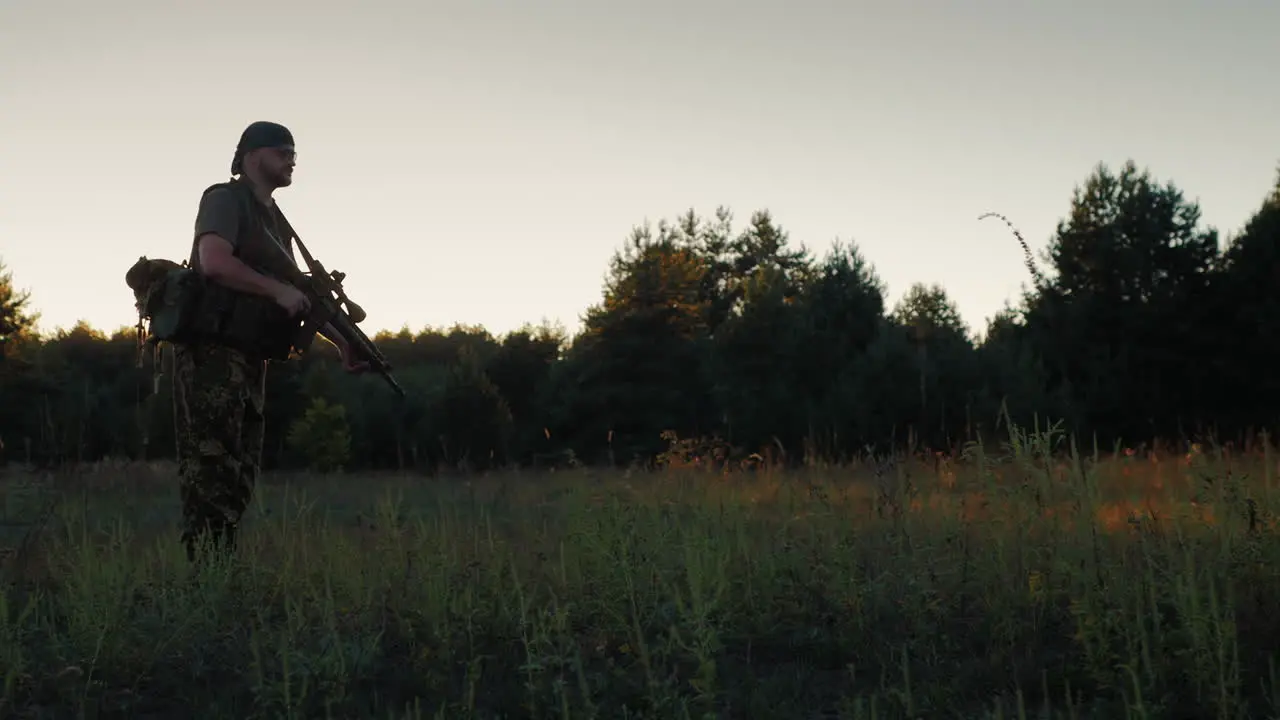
(330, 333)
(220, 265)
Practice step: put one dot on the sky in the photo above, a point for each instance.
(480, 162)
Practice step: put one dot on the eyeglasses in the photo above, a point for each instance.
(286, 152)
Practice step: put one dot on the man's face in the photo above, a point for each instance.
(275, 165)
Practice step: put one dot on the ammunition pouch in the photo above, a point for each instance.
(185, 308)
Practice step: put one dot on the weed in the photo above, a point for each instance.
(1034, 581)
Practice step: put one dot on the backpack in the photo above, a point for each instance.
(178, 305)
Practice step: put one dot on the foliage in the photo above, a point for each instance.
(321, 436)
(1145, 331)
(1010, 582)
(16, 319)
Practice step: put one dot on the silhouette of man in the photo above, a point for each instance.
(219, 392)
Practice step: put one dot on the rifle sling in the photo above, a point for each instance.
(316, 319)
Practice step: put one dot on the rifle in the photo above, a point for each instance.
(324, 289)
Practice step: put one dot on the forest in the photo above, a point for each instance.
(1139, 326)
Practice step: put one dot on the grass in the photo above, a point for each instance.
(1001, 584)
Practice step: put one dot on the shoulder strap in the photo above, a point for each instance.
(293, 237)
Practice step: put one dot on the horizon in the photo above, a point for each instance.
(521, 146)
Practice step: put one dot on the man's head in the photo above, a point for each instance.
(266, 155)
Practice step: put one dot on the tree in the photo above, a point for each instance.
(478, 419)
(321, 436)
(930, 313)
(755, 364)
(764, 247)
(16, 320)
(639, 366)
(1117, 320)
(1014, 377)
(19, 385)
(1247, 322)
(944, 358)
(841, 312)
(520, 370)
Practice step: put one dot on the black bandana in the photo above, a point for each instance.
(261, 134)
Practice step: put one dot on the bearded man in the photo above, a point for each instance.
(242, 242)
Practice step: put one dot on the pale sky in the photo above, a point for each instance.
(479, 162)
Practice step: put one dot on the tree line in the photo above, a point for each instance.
(739, 343)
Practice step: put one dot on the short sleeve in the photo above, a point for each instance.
(219, 213)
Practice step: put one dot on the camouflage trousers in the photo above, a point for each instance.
(218, 399)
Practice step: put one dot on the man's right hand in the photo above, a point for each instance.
(292, 300)
(219, 263)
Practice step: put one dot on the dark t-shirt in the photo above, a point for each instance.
(257, 242)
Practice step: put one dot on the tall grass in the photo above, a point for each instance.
(1016, 583)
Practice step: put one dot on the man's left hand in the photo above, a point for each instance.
(350, 362)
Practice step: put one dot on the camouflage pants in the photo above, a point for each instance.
(218, 398)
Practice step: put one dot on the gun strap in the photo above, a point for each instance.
(294, 238)
(314, 320)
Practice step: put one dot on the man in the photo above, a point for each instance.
(243, 242)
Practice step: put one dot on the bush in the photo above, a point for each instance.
(321, 436)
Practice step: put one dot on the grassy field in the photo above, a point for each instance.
(995, 585)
